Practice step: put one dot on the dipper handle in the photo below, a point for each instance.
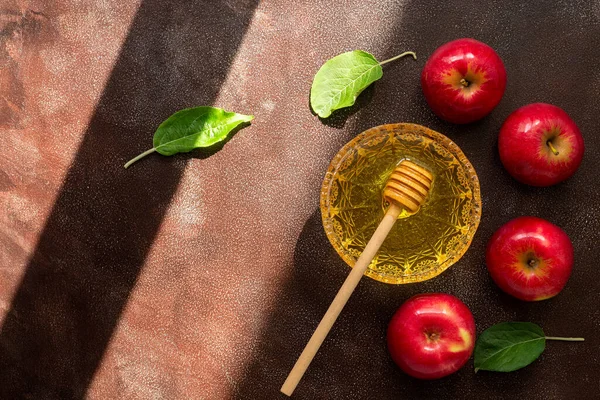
(407, 188)
(340, 299)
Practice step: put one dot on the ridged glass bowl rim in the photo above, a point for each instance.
(386, 130)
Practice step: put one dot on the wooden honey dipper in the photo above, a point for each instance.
(406, 188)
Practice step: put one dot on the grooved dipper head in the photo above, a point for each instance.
(408, 186)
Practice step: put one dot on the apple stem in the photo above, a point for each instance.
(566, 339)
(406, 53)
(464, 82)
(549, 144)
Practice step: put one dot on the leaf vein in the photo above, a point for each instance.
(352, 82)
(507, 348)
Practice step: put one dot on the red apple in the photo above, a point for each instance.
(540, 145)
(431, 335)
(463, 80)
(530, 258)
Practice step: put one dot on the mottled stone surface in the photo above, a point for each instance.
(202, 276)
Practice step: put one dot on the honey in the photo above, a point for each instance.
(421, 244)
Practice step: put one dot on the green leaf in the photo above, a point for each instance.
(192, 128)
(341, 79)
(509, 346)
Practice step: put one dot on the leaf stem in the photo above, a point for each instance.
(144, 154)
(406, 53)
(566, 339)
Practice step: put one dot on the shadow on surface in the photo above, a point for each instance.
(105, 218)
(353, 362)
(338, 118)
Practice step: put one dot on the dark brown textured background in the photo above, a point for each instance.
(202, 276)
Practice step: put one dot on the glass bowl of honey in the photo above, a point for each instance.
(421, 245)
